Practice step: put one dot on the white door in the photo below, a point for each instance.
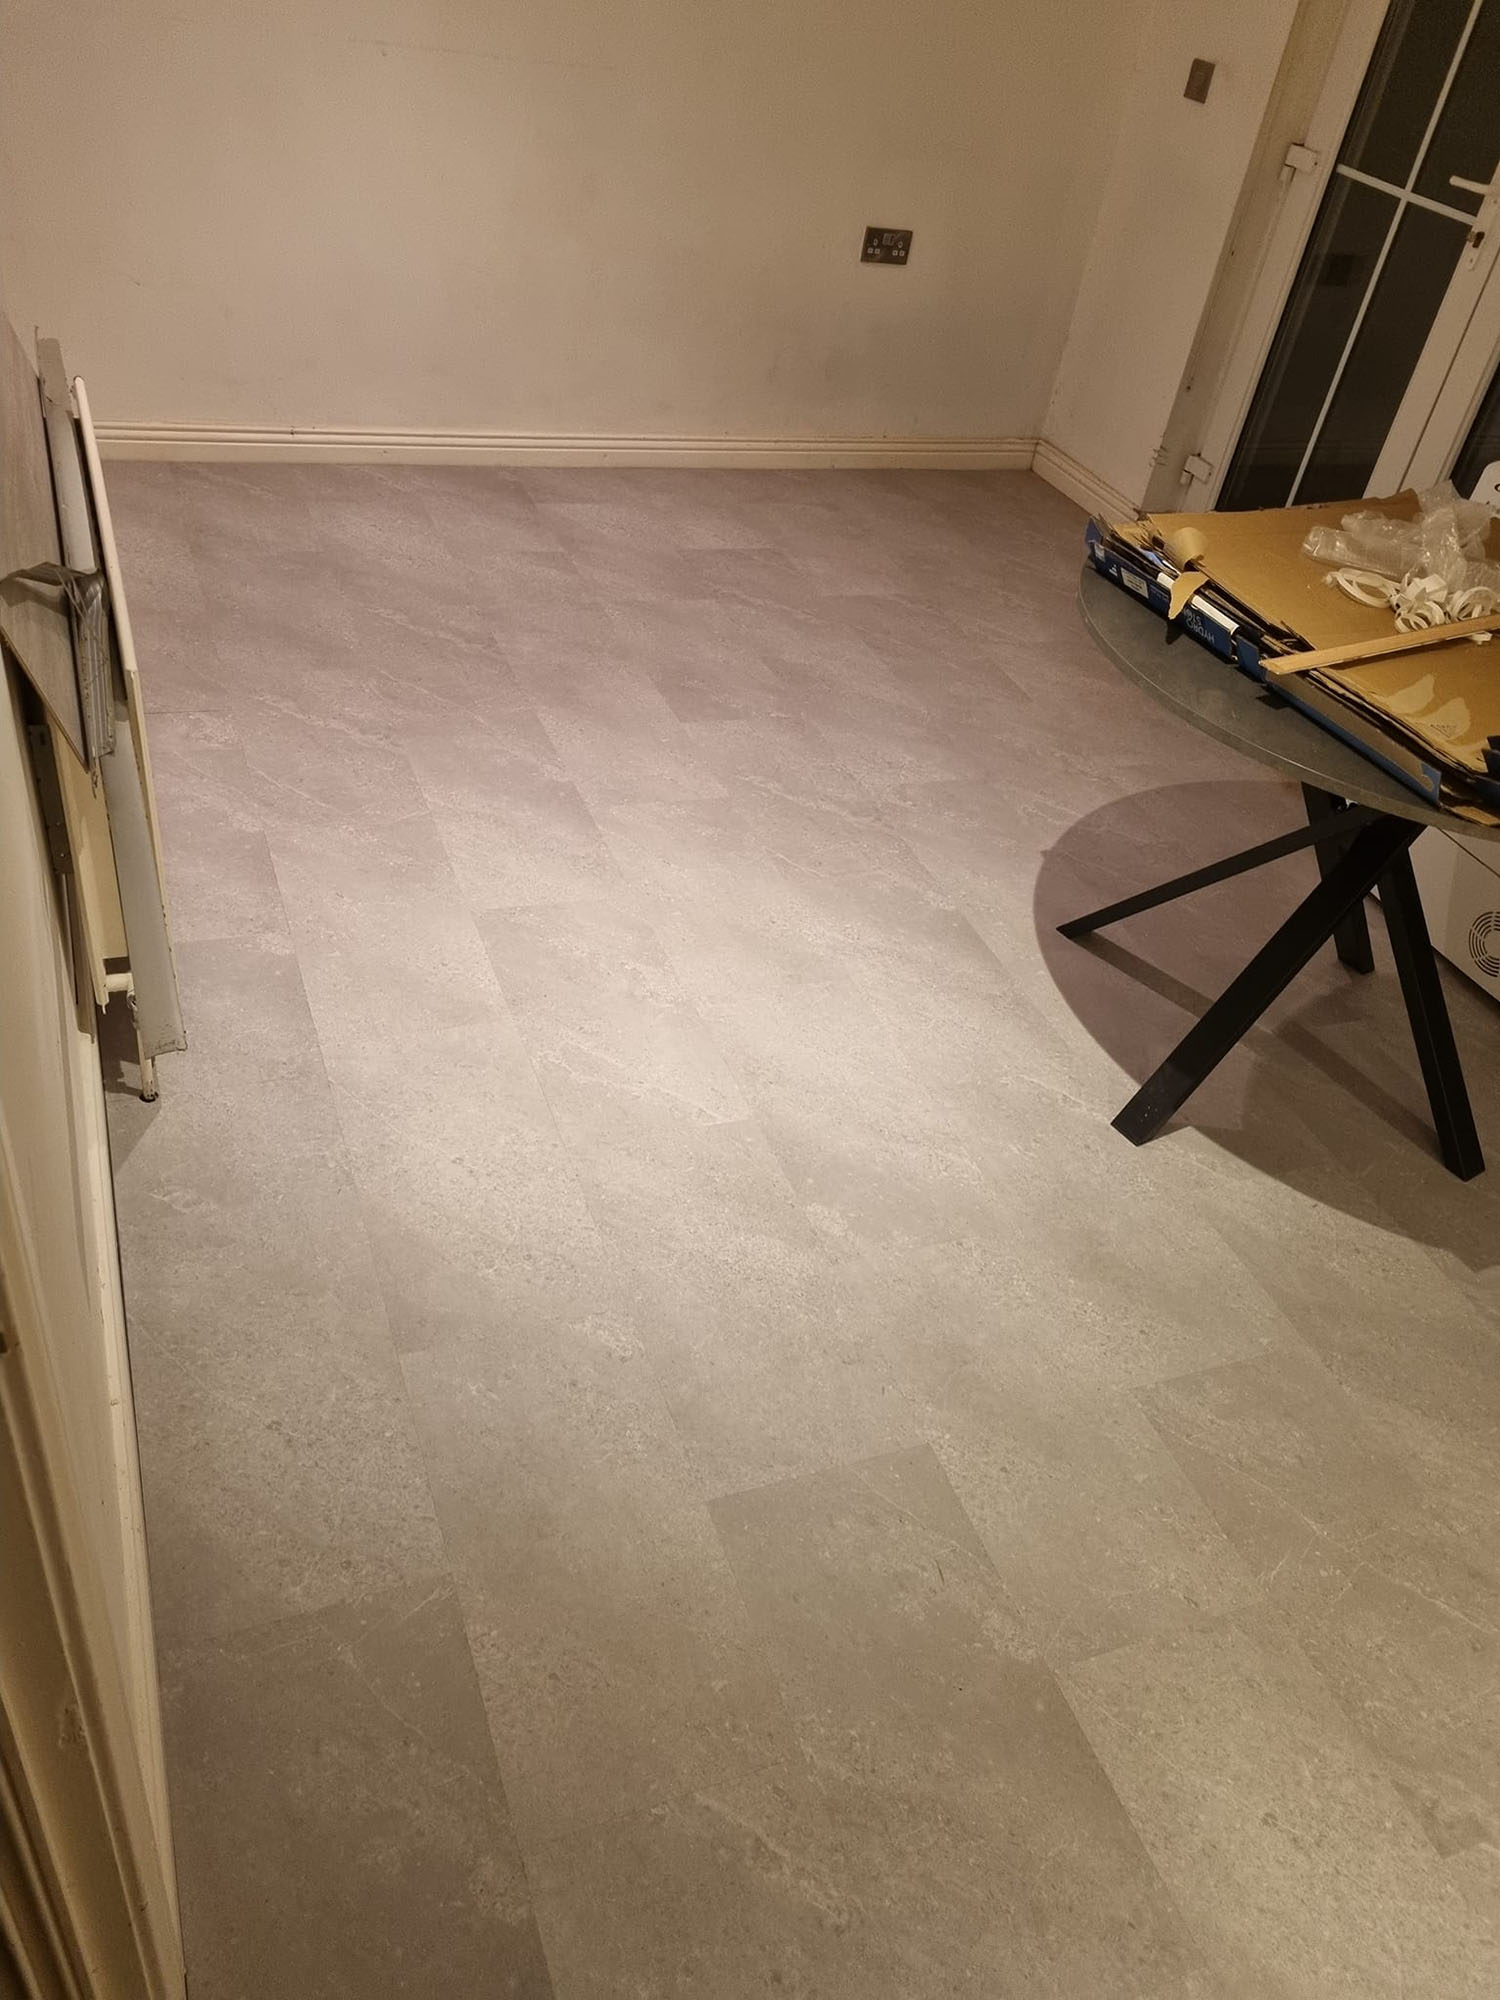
(1369, 355)
(87, 1900)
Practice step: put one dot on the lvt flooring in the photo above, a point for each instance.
(683, 1457)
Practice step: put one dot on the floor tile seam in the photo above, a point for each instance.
(1355, 1737)
(754, 1652)
(463, 710)
(282, 787)
(1203, 1946)
(254, 811)
(1172, 1440)
(1292, 1337)
(438, 811)
(178, 1649)
(1344, 1538)
(1247, 1590)
(1271, 1642)
(452, 1582)
(452, 1579)
(1283, 1647)
(609, 1235)
(866, 875)
(517, 1018)
(699, 1489)
(388, 1347)
(978, 1184)
(979, 1559)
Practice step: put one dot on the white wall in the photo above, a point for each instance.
(1170, 190)
(595, 217)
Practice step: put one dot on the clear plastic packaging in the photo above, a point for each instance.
(1445, 541)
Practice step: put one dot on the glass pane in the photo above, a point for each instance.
(1482, 446)
(1394, 330)
(1467, 139)
(1401, 88)
(1329, 289)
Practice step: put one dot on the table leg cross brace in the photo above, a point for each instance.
(1377, 852)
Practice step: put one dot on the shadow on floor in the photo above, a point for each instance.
(120, 1065)
(1325, 1093)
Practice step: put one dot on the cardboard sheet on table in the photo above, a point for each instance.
(1257, 557)
(1448, 698)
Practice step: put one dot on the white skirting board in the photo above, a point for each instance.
(211, 441)
(1086, 489)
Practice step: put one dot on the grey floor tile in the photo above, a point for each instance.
(312, 774)
(509, 816)
(1475, 1873)
(976, 1824)
(1284, 1843)
(1096, 1531)
(470, 1197)
(481, 513)
(1405, 1633)
(276, 1445)
(1278, 1452)
(277, 1453)
(692, 514)
(616, 572)
(617, 923)
(341, 1830)
(755, 1331)
(619, 741)
(220, 879)
(762, 747)
(603, 1014)
(698, 1899)
(871, 1153)
(616, 1661)
(379, 923)
(474, 1209)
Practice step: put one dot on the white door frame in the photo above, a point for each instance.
(1305, 176)
(85, 1847)
(1423, 452)
(87, 1896)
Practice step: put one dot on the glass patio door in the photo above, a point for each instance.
(1392, 325)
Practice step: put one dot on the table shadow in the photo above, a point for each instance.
(1325, 1093)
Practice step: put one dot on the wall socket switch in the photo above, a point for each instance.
(886, 246)
(1200, 76)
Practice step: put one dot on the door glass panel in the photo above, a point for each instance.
(1482, 446)
(1391, 336)
(1380, 258)
(1467, 139)
(1406, 73)
(1330, 287)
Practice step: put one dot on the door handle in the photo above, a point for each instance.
(1469, 187)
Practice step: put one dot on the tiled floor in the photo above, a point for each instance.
(682, 1455)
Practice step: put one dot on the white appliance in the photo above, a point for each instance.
(1460, 885)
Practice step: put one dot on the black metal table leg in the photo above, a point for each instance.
(1314, 834)
(1274, 966)
(1427, 1010)
(1352, 938)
